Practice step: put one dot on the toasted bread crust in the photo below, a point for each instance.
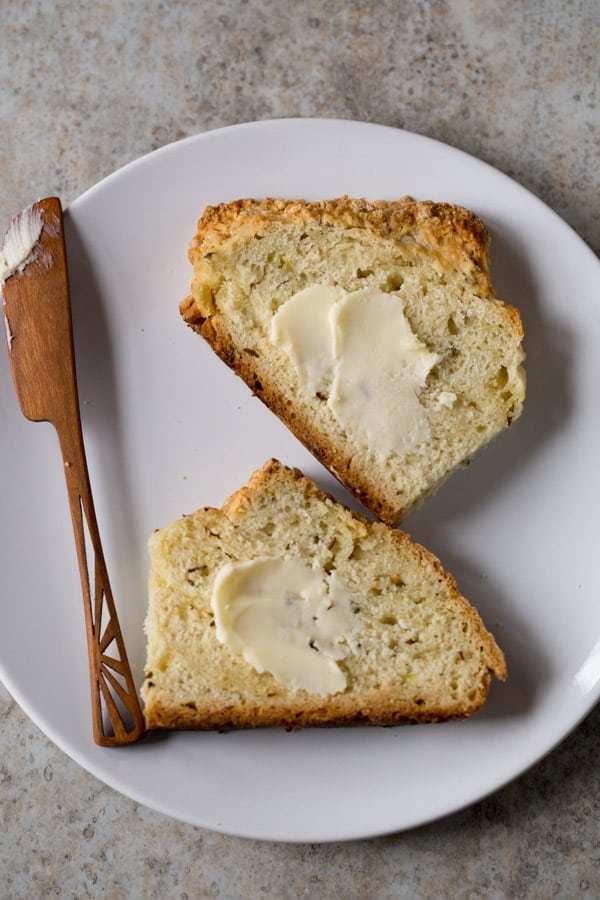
(455, 235)
(160, 716)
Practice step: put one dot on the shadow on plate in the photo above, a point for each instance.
(101, 420)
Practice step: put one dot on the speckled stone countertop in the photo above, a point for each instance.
(88, 87)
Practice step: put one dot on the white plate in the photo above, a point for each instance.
(169, 428)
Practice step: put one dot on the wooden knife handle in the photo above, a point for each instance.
(116, 713)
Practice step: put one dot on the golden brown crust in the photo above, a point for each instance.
(185, 716)
(456, 236)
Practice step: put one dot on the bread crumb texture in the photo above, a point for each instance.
(250, 257)
(419, 653)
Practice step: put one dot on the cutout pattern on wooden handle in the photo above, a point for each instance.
(117, 717)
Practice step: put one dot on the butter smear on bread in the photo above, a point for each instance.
(358, 348)
(286, 618)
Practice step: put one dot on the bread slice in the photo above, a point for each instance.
(415, 650)
(428, 259)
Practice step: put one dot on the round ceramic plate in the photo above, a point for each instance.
(169, 428)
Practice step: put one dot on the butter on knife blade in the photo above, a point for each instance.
(20, 241)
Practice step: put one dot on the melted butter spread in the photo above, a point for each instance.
(358, 348)
(286, 618)
(302, 328)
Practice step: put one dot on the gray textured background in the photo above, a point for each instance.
(85, 89)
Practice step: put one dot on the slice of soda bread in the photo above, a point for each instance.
(285, 608)
(370, 329)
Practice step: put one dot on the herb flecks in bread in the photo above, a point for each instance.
(418, 652)
(251, 257)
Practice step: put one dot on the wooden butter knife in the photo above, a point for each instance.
(35, 291)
